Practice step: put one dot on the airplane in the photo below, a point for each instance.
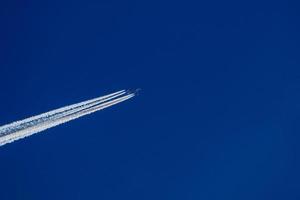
(136, 91)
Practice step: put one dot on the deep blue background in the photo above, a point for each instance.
(217, 117)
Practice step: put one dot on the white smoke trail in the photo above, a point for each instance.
(64, 109)
(18, 125)
(30, 126)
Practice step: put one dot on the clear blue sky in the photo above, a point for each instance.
(217, 117)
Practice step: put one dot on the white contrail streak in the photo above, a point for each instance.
(55, 114)
(35, 124)
(64, 109)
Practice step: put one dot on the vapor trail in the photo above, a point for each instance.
(35, 124)
(64, 109)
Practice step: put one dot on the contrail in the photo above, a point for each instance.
(64, 109)
(20, 129)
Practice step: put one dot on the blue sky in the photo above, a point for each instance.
(217, 117)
